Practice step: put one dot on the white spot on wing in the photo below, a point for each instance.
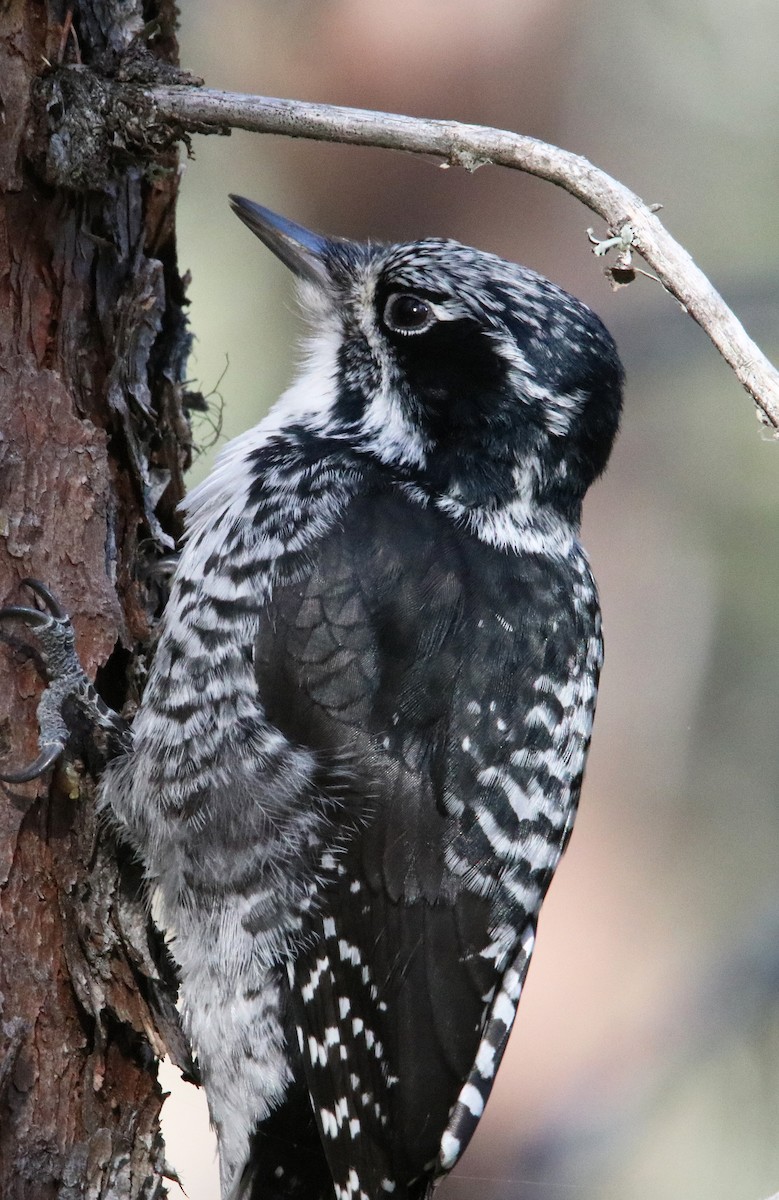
(473, 1100)
(450, 1151)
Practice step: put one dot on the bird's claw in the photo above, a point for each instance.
(50, 601)
(45, 760)
(37, 617)
(33, 616)
(53, 627)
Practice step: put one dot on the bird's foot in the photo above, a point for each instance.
(68, 684)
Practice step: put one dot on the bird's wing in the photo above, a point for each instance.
(381, 659)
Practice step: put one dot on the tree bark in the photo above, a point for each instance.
(93, 443)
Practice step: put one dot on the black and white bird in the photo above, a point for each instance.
(361, 744)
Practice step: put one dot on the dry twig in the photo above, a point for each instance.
(471, 146)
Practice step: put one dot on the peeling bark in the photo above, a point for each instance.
(93, 443)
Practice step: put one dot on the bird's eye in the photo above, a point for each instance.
(405, 313)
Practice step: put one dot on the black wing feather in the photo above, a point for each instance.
(372, 660)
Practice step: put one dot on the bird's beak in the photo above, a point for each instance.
(298, 248)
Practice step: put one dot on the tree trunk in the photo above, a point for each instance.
(93, 441)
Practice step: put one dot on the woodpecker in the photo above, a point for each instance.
(361, 744)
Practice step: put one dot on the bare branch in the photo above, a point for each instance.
(472, 146)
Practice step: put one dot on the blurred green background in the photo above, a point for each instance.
(645, 1061)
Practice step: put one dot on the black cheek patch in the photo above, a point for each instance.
(454, 372)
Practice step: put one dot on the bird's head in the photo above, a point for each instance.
(472, 376)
